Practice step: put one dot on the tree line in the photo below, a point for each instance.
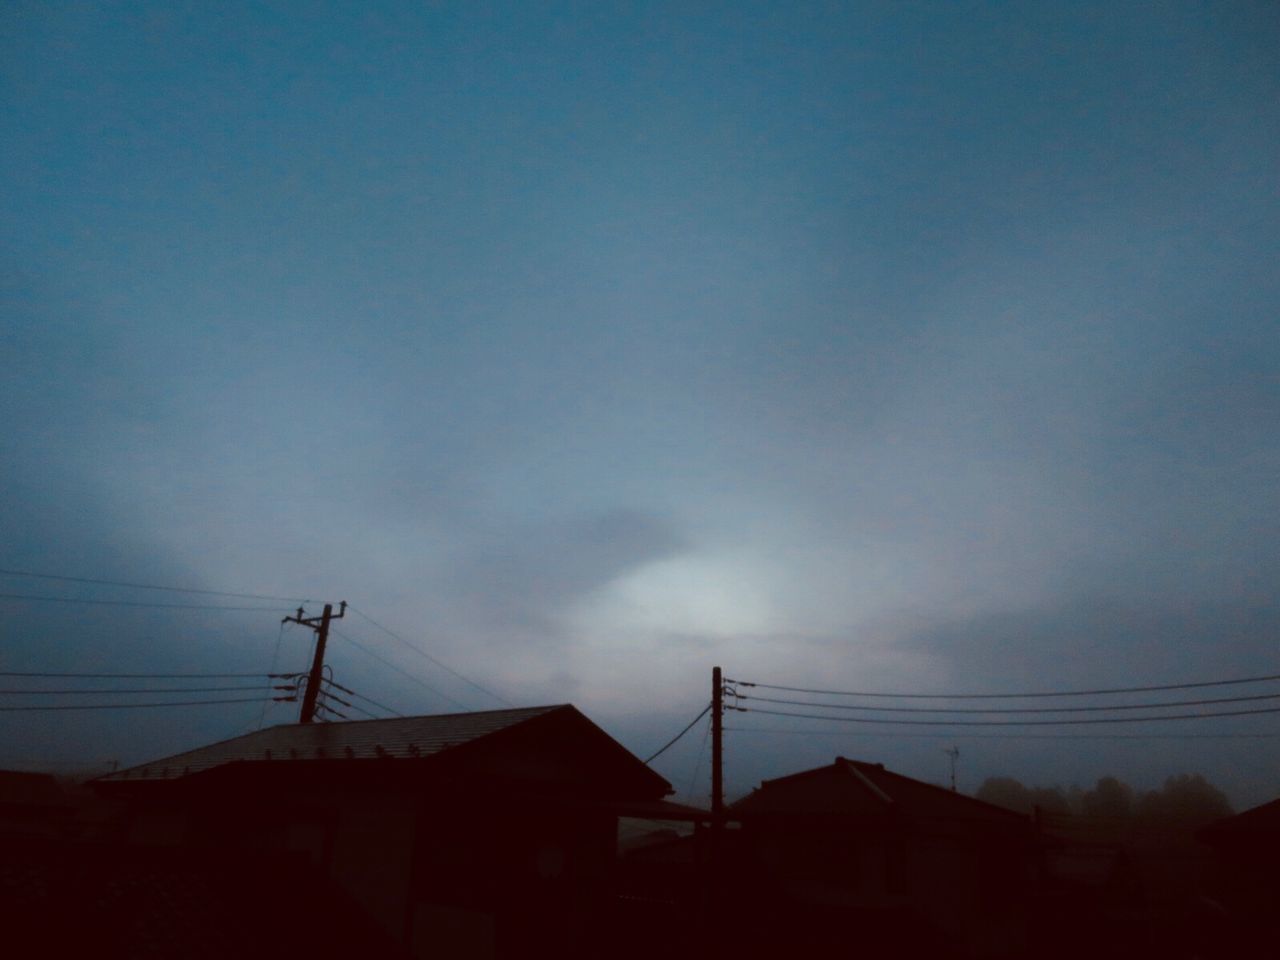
(1187, 799)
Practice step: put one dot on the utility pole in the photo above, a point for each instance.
(717, 749)
(712, 886)
(320, 625)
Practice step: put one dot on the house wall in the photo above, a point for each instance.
(371, 855)
(947, 882)
(971, 885)
(484, 873)
(530, 880)
(825, 862)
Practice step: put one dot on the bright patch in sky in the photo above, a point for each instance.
(707, 596)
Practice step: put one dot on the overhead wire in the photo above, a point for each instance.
(147, 676)
(802, 731)
(131, 706)
(333, 696)
(661, 750)
(151, 586)
(380, 706)
(422, 653)
(1010, 696)
(698, 764)
(136, 603)
(322, 705)
(275, 657)
(360, 709)
(102, 690)
(1011, 723)
(1008, 710)
(398, 669)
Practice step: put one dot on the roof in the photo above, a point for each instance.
(856, 788)
(551, 748)
(401, 737)
(1260, 824)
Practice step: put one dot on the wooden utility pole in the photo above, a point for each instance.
(713, 881)
(320, 625)
(717, 751)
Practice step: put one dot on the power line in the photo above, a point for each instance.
(398, 669)
(323, 705)
(1011, 723)
(1010, 696)
(134, 603)
(697, 765)
(151, 586)
(144, 690)
(1011, 736)
(329, 695)
(422, 653)
(348, 690)
(154, 676)
(1090, 709)
(275, 658)
(360, 709)
(671, 742)
(134, 706)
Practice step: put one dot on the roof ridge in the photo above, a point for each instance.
(880, 768)
(409, 716)
(292, 738)
(866, 781)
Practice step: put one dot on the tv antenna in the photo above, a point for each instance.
(954, 753)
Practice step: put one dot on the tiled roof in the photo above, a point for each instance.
(853, 787)
(401, 737)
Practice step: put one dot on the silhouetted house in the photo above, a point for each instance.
(31, 803)
(662, 882)
(76, 897)
(475, 834)
(855, 850)
(1246, 849)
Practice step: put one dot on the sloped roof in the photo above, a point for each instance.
(1251, 827)
(400, 737)
(855, 788)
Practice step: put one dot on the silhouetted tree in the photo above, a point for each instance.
(1005, 792)
(1050, 800)
(1110, 798)
(1187, 799)
(1012, 795)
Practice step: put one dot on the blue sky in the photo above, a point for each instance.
(902, 346)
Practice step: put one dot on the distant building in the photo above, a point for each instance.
(460, 835)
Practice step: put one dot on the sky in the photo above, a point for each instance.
(906, 347)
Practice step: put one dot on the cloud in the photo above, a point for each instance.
(523, 576)
(1099, 640)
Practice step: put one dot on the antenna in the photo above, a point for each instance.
(954, 753)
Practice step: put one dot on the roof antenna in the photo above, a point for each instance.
(954, 754)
